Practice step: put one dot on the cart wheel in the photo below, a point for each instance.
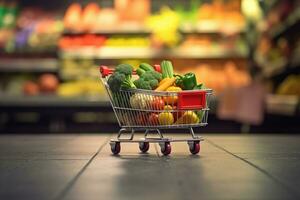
(166, 149)
(115, 148)
(144, 146)
(195, 147)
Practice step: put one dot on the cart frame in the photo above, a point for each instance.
(121, 109)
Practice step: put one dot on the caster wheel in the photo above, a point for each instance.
(115, 148)
(195, 147)
(144, 146)
(166, 148)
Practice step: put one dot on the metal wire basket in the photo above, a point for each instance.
(149, 110)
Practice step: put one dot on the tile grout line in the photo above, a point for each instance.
(71, 183)
(285, 186)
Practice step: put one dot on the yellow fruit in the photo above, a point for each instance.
(168, 107)
(165, 118)
(172, 99)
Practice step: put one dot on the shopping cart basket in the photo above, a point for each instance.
(147, 110)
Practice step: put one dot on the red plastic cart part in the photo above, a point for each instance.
(191, 100)
(157, 68)
(105, 71)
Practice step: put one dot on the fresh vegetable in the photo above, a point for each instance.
(165, 118)
(199, 86)
(142, 84)
(167, 69)
(153, 119)
(146, 67)
(157, 68)
(141, 101)
(188, 117)
(148, 80)
(146, 85)
(157, 104)
(121, 78)
(200, 114)
(128, 83)
(166, 84)
(140, 71)
(186, 82)
(172, 99)
(115, 81)
(168, 107)
(150, 75)
(124, 69)
(137, 101)
(162, 81)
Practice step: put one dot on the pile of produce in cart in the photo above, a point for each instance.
(154, 98)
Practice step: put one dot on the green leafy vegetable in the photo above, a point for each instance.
(167, 69)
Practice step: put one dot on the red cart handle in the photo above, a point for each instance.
(105, 71)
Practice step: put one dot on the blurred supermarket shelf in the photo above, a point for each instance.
(275, 104)
(121, 29)
(288, 27)
(282, 104)
(28, 65)
(142, 30)
(203, 29)
(53, 101)
(146, 53)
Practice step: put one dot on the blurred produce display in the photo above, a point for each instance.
(220, 77)
(290, 86)
(32, 29)
(224, 16)
(93, 18)
(80, 41)
(52, 50)
(128, 29)
(30, 85)
(277, 49)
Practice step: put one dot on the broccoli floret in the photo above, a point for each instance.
(153, 83)
(147, 76)
(156, 75)
(115, 81)
(150, 75)
(124, 69)
(128, 83)
(142, 84)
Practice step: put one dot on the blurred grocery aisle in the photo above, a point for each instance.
(49, 53)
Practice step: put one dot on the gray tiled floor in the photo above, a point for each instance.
(82, 167)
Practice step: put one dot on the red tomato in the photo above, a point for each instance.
(157, 104)
(153, 119)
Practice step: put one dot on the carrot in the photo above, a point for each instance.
(162, 81)
(166, 84)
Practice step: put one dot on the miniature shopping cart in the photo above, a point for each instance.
(151, 111)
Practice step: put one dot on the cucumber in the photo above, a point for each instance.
(140, 71)
(146, 67)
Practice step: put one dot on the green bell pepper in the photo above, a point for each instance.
(186, 82)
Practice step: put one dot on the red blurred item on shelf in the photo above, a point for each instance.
(81, 41)
(48, 83)
(30, 88)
